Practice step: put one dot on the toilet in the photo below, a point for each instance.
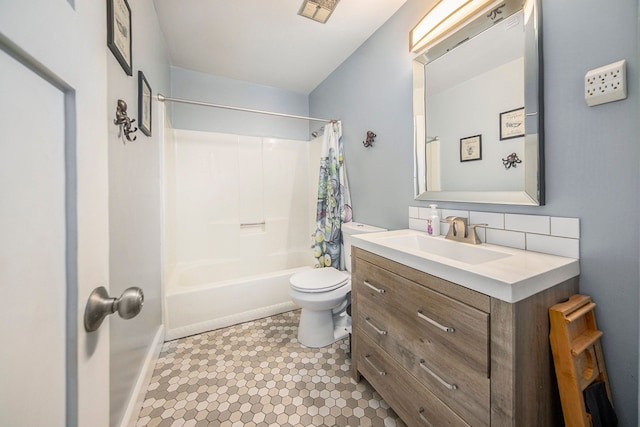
(324, 293)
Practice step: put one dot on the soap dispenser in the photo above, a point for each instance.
(433, 221)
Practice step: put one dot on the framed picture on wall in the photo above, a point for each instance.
(512, 124)
(471, 148)
(144, 104)
(119, 33)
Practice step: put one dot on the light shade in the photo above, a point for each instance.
(444, 17)
(318, 10)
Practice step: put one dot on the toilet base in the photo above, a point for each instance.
(321, 328)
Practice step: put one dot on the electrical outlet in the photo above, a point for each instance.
(606, 84)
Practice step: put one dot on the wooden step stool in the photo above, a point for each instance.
(577, 355)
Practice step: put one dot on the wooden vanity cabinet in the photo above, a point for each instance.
(443, 355)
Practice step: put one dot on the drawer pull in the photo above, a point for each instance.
(423, 418)
(381, 373)
(378, 330)
(434, 375)
(436, 324)
(378, 290)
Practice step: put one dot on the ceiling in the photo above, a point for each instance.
(265, 41)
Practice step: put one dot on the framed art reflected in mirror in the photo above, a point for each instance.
(512, 124)
(471, 148)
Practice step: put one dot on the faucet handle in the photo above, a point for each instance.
(474, 238)
(473, 226)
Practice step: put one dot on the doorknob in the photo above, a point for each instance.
(100, 305)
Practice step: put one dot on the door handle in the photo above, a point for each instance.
(100, 305)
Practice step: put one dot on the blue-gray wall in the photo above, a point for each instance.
(192, 85)
(592, 154)
(135, 210)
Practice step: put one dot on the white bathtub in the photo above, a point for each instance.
(195, 304)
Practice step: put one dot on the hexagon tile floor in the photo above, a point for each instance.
(256, 374)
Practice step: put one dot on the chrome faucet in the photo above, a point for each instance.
(458, 230)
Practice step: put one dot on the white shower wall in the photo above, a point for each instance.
(223, 183)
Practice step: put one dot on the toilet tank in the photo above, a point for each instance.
(350, 229)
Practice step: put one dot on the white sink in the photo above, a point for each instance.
(462, 252)
(505, 273)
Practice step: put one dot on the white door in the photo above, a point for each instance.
(32, 253)
(53, 212)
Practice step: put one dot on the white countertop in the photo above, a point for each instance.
(518, 275)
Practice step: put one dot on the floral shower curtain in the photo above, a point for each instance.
(334, 201)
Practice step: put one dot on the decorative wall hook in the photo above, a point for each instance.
(370, 138)
(125, 123)
(495, 12)
(511, 160)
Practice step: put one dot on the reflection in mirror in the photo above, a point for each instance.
(475, 104)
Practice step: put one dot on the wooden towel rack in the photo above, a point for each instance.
(577, 355)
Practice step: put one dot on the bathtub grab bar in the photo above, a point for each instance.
(251, 224)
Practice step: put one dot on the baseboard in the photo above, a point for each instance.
(134, 407)
(223, 322)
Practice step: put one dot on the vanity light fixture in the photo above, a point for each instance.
(318, 10)
(443, 18)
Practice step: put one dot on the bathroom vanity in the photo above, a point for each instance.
(457, 343)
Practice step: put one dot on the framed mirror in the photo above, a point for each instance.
(478, 119)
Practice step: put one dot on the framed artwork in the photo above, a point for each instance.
(512, 124)
(144, 104)
(119, 33)
(471, 148)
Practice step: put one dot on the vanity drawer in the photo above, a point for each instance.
(446, 328)
(375, 284)
(415, 404)
(464, 389)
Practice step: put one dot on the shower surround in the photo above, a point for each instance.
(239, 213)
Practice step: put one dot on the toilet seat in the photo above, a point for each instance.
(319, 280)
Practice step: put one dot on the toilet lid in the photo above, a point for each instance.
(319, 280)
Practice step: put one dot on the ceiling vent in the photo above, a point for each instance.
(318, 10)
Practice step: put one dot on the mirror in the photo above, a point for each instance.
(478, 110)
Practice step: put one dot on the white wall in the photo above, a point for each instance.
(222, 181)
(169, 242)
(135, 206)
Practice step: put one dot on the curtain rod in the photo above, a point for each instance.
(163, 98)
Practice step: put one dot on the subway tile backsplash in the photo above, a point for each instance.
(513, 239)
(417, 224)
(565, 227)
(553, 245)
(528, 223)
(451, 212)
(414, 212)
(493, 220)
(539, 233)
